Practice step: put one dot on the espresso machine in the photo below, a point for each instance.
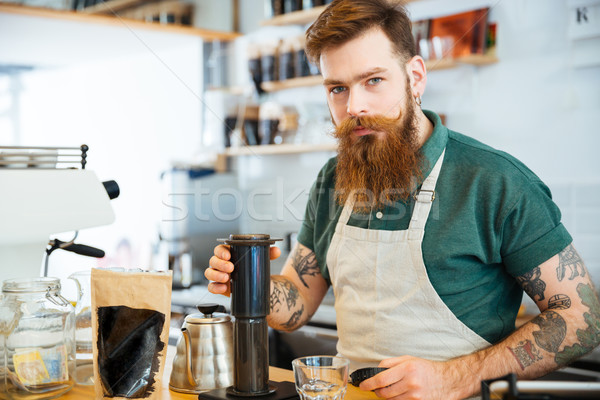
(46, 191)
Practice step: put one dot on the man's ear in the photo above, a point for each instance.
(417, 73)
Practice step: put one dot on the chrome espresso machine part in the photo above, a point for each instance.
(45, 191)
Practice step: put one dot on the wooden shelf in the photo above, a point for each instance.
(295, 18)
(473, 59)
(304, 81)
(117, 21)
(110, 6)
(276, 149)
(478, 59)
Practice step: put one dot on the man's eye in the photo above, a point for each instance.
(337, 89)
(374, 81)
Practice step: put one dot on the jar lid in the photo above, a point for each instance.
(23, 285)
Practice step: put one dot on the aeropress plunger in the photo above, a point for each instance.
(250, 295)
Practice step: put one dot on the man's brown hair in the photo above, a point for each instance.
(344, 20)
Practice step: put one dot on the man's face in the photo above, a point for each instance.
(371, 102)
(364, 77)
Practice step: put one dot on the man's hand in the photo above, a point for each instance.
(410, 377)
(221, 268)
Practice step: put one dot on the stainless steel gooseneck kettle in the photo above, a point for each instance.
(204, 359)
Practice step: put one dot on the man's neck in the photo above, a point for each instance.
(424, 127)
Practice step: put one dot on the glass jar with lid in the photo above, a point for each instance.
(37, 340)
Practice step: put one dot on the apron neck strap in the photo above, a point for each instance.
(423, 201)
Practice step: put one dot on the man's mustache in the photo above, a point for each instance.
(377, 123)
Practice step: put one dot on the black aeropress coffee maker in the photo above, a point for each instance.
(250, 305)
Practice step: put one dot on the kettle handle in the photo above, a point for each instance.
(188, 357)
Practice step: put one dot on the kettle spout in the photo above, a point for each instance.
(188, 357)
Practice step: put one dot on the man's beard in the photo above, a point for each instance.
(378, 169)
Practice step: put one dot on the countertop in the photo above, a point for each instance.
(275, 374)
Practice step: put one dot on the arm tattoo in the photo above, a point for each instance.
(283, 292)
(553, 330)
(305, 264)
(532, 284)
(295, 318)
(525, 353)
(588, 338)
(559, 302)
(569, 259)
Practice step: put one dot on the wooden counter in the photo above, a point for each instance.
(275, 374)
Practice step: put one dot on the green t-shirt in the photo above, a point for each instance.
(492, 220)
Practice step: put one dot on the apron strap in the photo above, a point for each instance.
(346, 211)
(423, 201)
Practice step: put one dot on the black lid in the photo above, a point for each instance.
(254, 239)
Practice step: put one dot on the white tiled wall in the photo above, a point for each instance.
(579, 203)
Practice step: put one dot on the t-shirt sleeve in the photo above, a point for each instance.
(532, 232)
(306, 234)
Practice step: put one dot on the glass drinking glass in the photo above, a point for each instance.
(84, 373)
(321, 377)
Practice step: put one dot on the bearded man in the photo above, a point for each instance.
(427, 236)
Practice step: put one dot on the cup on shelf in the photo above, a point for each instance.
(290, 6)
(254, 65)
(269, 115)
(286, 63)
(268, 60)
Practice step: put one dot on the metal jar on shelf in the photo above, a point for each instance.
(37, 340)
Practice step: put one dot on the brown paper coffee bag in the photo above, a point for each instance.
(130, 323)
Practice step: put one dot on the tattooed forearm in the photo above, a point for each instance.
(525, 353)
(588, 338)
(305, 264)
(294, 319)
(283, 293)
(568, 259)
(553, 330)
(532, 284)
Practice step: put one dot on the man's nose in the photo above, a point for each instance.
(356, 105)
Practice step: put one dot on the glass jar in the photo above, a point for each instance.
(37, 340)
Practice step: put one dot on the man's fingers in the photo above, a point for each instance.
(222, 252)
(218, 288)
(274, 252)
(220, 264)
(216, 276)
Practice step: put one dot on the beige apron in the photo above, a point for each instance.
(384, 302)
